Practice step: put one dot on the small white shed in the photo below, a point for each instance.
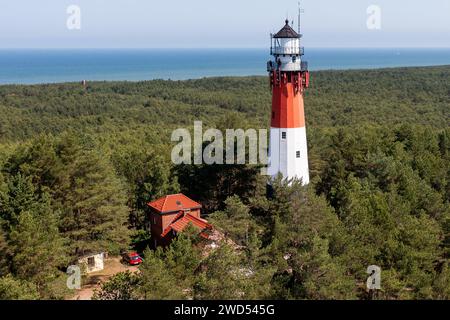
(92, 262)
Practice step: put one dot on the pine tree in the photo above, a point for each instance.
(37, 161)
(148, 175)
(121, 286)
(4, 252)
(19, 196)
(36, 246)
(82, 184)
(235, 220)
(14, 289)
(317, 276)
(223, 276)
(181, 257)
(441, 284)
(92, 201)
(157, 281)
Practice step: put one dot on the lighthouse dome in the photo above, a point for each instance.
(285, 47)
(286, 32)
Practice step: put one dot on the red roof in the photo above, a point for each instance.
(173, 203)
(183, 220)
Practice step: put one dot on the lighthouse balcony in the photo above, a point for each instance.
(287, 63)
(283, 50)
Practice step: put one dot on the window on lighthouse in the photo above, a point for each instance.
(283, 135)
(297, 154)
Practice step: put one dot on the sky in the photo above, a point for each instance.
(221, 24)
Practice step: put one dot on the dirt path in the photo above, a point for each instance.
(93, 281)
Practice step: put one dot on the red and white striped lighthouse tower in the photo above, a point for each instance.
(289, 77)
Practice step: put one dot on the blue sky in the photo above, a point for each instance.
(225, 23)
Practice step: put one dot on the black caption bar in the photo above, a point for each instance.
(174, 310)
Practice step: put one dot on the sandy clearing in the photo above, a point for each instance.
(93, 281)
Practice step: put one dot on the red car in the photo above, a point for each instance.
(132, 258)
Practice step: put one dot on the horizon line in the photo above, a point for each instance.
(218, 48)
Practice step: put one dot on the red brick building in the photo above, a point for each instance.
(171, 214)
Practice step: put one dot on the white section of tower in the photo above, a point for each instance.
(288, 154)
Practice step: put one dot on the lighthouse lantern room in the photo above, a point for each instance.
(289, 77)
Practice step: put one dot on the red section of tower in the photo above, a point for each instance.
(287, 98)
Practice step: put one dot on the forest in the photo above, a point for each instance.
(78, 165)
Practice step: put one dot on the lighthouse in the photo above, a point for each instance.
(289, 77)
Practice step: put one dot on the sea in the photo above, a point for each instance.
(34, 66)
